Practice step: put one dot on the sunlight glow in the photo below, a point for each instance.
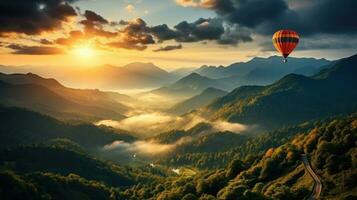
(84, 51)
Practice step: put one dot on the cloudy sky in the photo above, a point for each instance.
(169, 33)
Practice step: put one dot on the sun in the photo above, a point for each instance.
(84, 51)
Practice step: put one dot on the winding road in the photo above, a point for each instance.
(317, 185)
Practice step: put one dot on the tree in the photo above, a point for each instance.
(234, 168)
(232, 192)
(207, 197)
(189, 196)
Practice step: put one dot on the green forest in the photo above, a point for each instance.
(60, 168)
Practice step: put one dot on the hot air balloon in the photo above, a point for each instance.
(285, 42)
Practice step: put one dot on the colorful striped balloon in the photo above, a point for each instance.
(285, 42)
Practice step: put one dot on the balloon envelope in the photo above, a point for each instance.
(285, 41)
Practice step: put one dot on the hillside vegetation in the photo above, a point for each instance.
(278, 173)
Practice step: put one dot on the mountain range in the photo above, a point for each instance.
(273, 66)
(261, 71)
(135, 75)
(293, 99)
(138, 75)
(50, 97)
(258, 71)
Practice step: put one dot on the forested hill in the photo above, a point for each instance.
(277, 173)
(294, 98)
(23, 127)
(60, 170)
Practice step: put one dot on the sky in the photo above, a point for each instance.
(169, 33)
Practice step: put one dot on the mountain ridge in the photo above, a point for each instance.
(41, 99)
(190, 85)
(107, 102)
(292, 99)
(198, 101)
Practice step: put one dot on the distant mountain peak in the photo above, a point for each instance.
(33, 75)
(134, 64)
(198, 101)
(143, 67)
(193, 77)
(212, 89)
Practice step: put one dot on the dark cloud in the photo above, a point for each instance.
(93, 25)
(94, 17)
(163, 32)
(234, 34)
(46, 42)
(136, 27)
(326, 42)
(247, 13)
(119, 23)
(34, 16)
(317, 17)
(169, 48)
(212, 29)
(135, 35)
(251, 13)
(202, 29)
(330, 16)
(34, 50)
(267, 16)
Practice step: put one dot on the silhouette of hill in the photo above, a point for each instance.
(91, 97)
(190, 85)
(23, 127)
(51, 97)
(41, 99)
